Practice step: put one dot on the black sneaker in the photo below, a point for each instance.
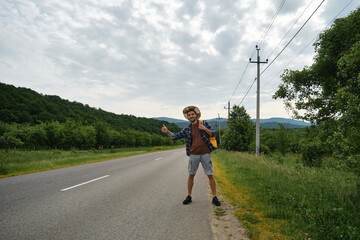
(215, 201)
(187, 200)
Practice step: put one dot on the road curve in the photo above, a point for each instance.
(138, 197)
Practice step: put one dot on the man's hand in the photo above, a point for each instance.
(164, 129)
(202, 127)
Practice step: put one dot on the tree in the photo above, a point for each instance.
(282, 139)
(240, 132)
(102, 133)
(11, 139)
(36, 136)
(54, 133)
(328, 90)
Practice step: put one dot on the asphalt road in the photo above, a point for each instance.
(137, 197)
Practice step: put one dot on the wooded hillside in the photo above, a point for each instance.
(22, 105)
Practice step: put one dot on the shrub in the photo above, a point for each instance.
(263, 148)
(353, 163)
(312, 153)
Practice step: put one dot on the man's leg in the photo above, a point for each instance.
(212, 184)
(215, 200)
(190, 184)
(208, 170)
(207, 165)
(194, 161)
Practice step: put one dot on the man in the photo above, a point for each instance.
(198, 148)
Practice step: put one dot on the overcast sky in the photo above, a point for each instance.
(153, 58)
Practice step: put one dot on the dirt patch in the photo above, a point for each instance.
(224, 224)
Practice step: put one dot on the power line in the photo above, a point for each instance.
(271, 22)
(260, 41)
(283, 48)
(290, 61)
(269, 26)
(308, 43)
(290, 29)
(239, 81)
(293, 37)
(247, 92)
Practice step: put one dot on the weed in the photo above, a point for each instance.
(250, 218)
(219, 212)
(3, 170)
(286, 199)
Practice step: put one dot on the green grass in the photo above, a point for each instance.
(22, 161)
(287, 200)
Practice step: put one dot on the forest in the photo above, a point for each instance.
(22, 105)
(31, 120)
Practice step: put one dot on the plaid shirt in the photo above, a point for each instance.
(186, 133)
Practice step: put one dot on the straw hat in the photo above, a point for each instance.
(192, 108)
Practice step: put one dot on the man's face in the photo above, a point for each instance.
(192, 116)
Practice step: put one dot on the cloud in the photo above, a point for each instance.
(153, 58)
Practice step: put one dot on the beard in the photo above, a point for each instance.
(193, 120)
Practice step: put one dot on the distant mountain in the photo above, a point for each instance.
(283, 121)
(270, 123)
(216, 119)
(276, 125)
(170, 120)
(214, 122)
(183, 123)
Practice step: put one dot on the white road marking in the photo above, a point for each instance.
(158, 159)
(78, 185)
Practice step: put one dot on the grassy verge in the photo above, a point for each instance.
(22, 162)
(280, 199)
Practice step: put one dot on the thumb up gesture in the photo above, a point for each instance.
(164, 129)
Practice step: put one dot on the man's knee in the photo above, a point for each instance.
(211, 177)
(191, 176)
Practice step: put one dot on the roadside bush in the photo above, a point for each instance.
(312, 153)
(76, 135)
(263, 148)
(36, 136)
(278, 158)
(268, 138)
(282, 140)
(353, 163)
(294, 140)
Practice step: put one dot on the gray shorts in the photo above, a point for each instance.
(205, 160)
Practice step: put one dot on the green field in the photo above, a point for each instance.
(22, 162)
(278, 198)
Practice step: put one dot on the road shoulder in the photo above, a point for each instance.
(224, 224)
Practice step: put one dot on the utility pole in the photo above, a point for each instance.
(228, 108)
(258, 101)
(219, 130)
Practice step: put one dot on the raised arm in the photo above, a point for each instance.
(165, 130)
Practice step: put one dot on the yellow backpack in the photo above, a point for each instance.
(212, 139)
